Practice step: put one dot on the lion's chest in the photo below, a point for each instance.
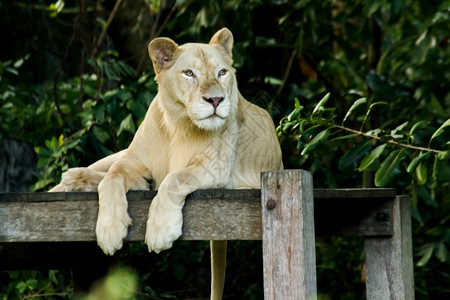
(215, 157)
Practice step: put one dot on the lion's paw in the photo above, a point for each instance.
(111, 231)
(163, 228)
(79, 179)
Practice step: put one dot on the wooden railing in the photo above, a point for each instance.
(43, 230)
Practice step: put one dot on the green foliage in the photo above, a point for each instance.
(33, 285)
(397, 143)
(77, 120)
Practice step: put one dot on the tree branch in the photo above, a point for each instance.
(393, 142)
(105, 28)
(288, 70)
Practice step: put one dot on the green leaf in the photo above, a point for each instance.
(435, 172)
(414, 210)
(441, 251)
(370, 109)
(127, 124)
(300, 144)
(354, 154)
(344, 137)
(126, 69)
(369, 159)
(101, 21)
(21, 287)
(396, 133)
(302, 126)
(412, 166)
(32, 284)
(65, 109)
(443, 155)
(321, 103)
(272, 80)
(440, 130)
(321, 136)
(371, 6)
(354, 106)
(423, 45)
(294, 113)
(101, 135)
(288, 125)
(42, 151)
(297, 103)
(18, 63)
(426, 252)
(308, 132)
(389, 168)
(42, 162)
(110, 72)
(421, 173)
(52, 144)
(435, 231)
(418, 125)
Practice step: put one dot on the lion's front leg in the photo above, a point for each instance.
(113, 219)
(165, 218)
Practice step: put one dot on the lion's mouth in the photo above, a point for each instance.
(212, 116)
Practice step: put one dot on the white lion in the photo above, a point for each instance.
(198, 133)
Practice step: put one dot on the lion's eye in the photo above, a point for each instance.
(188, 73)
(222, 72)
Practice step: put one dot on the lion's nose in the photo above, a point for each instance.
(215, 101)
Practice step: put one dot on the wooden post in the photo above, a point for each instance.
(288, 235)
(389, 261)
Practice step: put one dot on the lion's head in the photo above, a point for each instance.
(197, 81)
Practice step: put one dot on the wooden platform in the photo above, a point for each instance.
(208, 215)
(57, 230)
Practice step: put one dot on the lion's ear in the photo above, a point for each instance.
(223, 39)
(161, 51)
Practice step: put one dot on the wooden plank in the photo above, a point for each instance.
(354, 193)
(336, 194)
(74, 220)
(288, 235)
(209, 214)
(389, 261)
(48, 221)
(226, 219)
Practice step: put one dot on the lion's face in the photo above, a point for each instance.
(203, 84)
(199, 81)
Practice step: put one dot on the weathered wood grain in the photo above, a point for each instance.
(288, 235)
(389, 261)
(336, 194)
(354, 193)
(208, 214)
(48, 221)
(74, 221)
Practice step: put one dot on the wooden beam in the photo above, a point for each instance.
(289, 257)
(208, 214)
(389, 261)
